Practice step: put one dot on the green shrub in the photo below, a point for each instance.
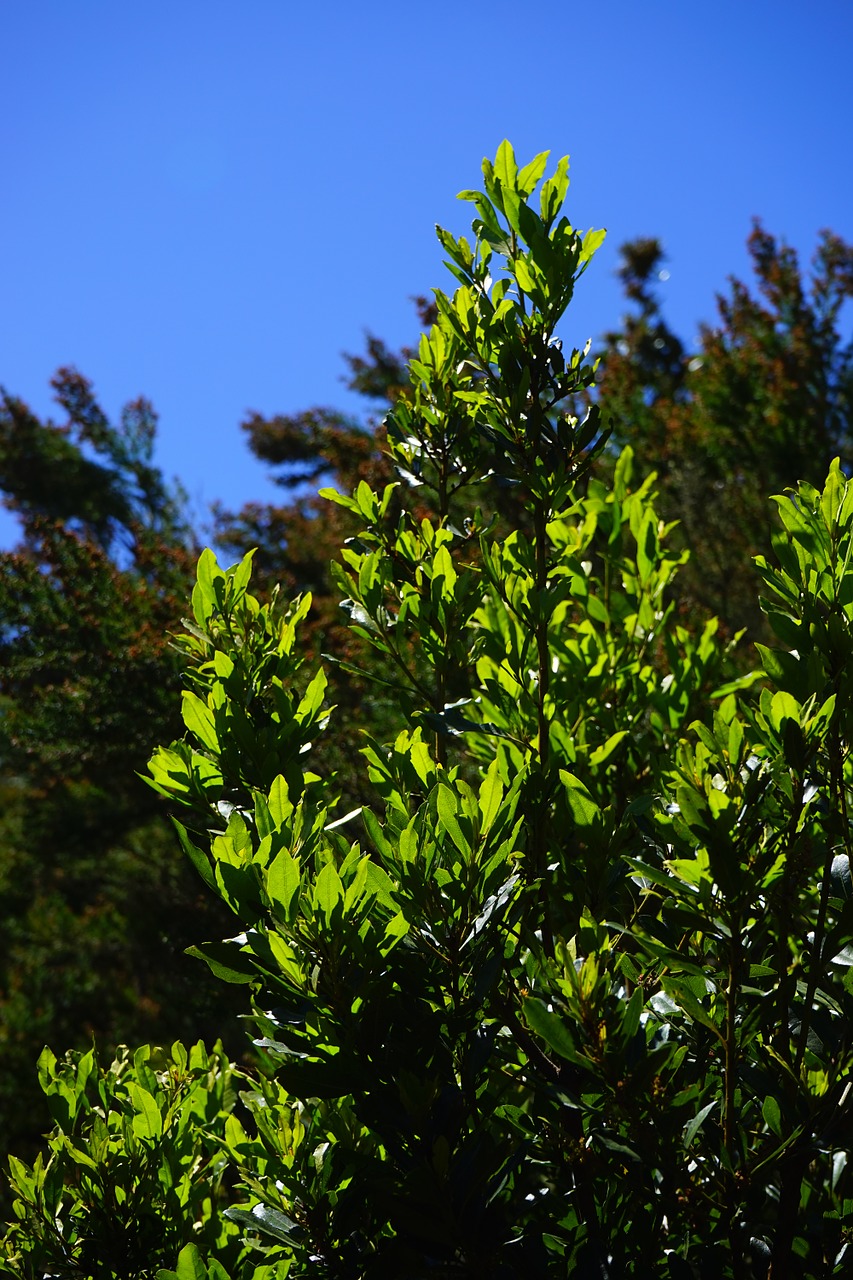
(570, 994)
(135, 1165)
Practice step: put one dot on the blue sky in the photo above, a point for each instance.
(206, 203)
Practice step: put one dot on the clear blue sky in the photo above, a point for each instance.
(207, 202)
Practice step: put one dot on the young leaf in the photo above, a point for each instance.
(491, 794)
(190, 1265)
(328, 891)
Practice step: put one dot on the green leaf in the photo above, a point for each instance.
(380, 885)
(694, 810)
(397, 927)
(631, 1015)
(822, 718)
(524, 275)
(377, 834)
(223, 665)
(190, 1265)
(583, 808)
(328, 890)
(444, 571)
(833, 495)
(240, 574)
(491, 794)
(647, 546)
(20, 1176)
(706, 737)
(693, 1126)
(735, 742)
(784, 627)
(284, 879)
(784, 707)
(592, 242)
(554, 191)
(198, 718)
(551, 1027)
(653, 874)
(312, 699)
(782, 667)
(209, 577)
(197, 857)
(216, 1271)
(622, 473)
(532, 172)
(447, 806)
(46, 1069)
(82, 1158)
(506, 170)
(340, 499)
(605, 751)
(278, 802)
(147, 1123)
(225, 961)
(672, 958)
(681, 993)
(772, 1115)
(271, 1222)
(366, 500)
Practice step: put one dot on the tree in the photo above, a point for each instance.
(584, 964)
(763, 403)
(581, 960)
(96, 908)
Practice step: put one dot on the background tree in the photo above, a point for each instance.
(765, 401)
(298, 538)
(96, 908)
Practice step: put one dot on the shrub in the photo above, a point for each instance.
(135, 1165)
(569, 994)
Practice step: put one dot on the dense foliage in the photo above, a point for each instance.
(761, 402)
(764, 401)
(569, 993)
(95, 908)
